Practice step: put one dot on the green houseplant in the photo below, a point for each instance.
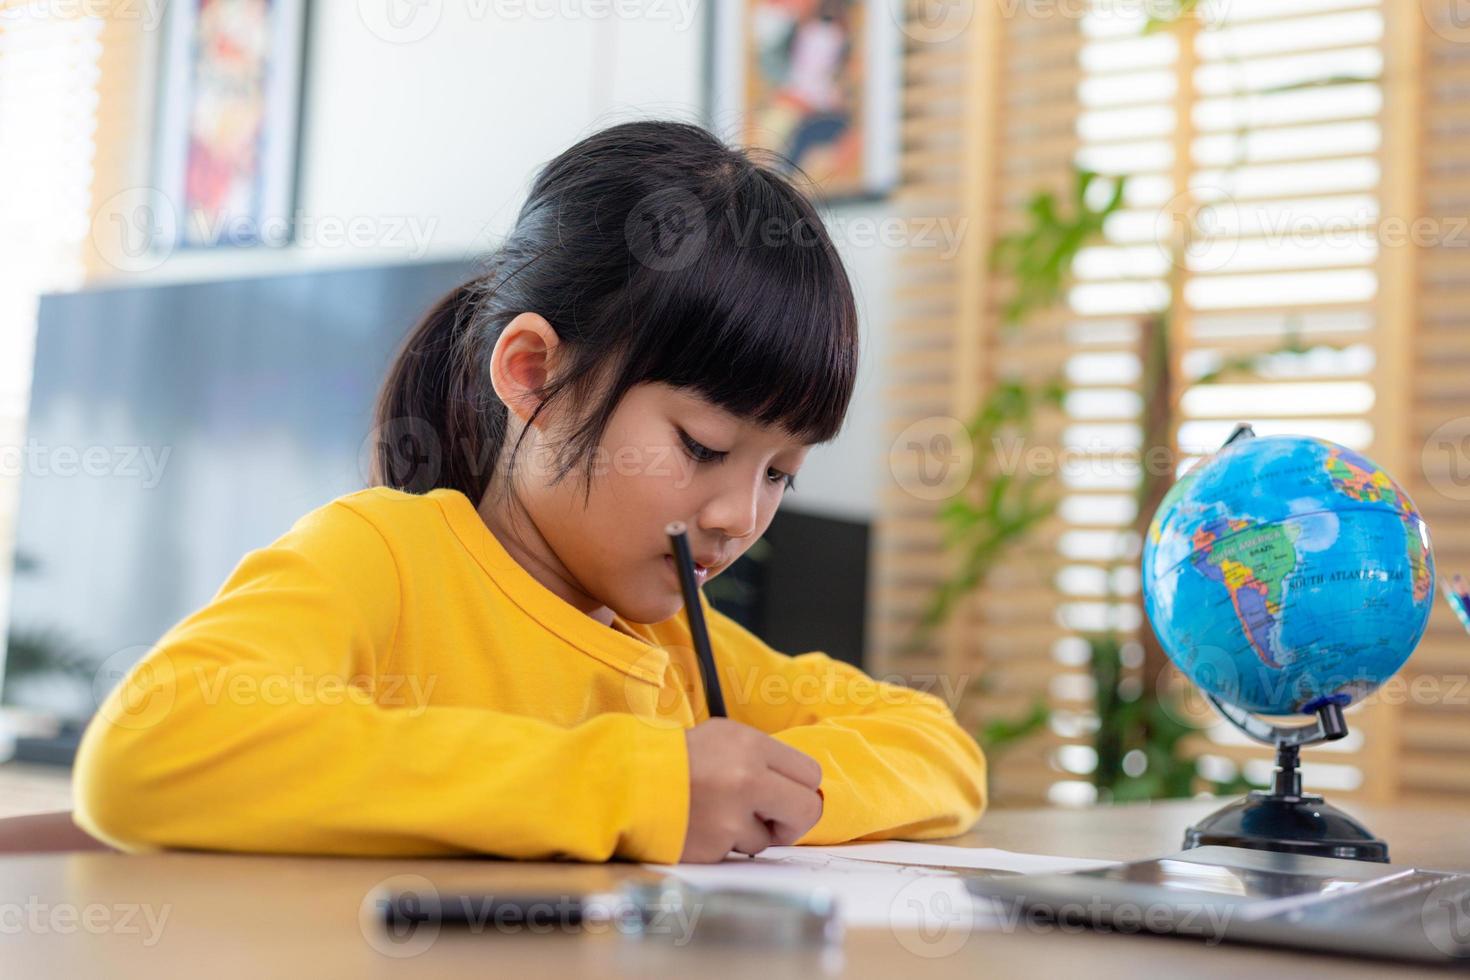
(999, 507)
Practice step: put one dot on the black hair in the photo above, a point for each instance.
(658, 254)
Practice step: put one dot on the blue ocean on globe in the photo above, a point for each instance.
(1287, 572)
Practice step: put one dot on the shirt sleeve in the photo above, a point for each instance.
(252, 726)
(895, 762)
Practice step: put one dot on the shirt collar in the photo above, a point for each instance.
(618, 645)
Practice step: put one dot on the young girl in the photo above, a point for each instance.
(486, 652)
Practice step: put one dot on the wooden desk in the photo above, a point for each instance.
(245, 916)
(26, 788)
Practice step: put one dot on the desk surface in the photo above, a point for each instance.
(33, 789)
(248, 916)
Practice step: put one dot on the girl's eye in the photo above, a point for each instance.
(786, 478)
(701, 454)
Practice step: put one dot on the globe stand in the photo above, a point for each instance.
(1285, 819)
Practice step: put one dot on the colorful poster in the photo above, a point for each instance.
(228, 125)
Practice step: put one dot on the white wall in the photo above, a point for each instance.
(843, 478)
(428, 126)
(452, 127)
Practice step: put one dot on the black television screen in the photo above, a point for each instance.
(172, 429)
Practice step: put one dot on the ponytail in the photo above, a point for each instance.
(433, 423)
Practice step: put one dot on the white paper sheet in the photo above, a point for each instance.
(919, 855)
(888, 899)
(889, 884)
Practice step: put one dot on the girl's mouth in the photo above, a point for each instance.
(700, 572)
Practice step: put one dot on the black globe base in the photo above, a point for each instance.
(1286, 819)
(1295, 824)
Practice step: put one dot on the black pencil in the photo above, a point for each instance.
(684, 564)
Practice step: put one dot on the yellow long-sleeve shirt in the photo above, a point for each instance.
(385, 679)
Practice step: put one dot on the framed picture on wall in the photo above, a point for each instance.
(817, 81)
(229, 113)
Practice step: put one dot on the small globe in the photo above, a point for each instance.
(1284, 573)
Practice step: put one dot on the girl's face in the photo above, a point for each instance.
(667, 454)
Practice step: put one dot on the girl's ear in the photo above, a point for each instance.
(524, 356)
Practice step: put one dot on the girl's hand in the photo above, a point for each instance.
(747, 791)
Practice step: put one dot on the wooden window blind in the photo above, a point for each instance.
(48, 84)
(69, 136)
(1428, 286)
(1278, 155)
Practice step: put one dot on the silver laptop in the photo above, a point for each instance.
(1232, 894)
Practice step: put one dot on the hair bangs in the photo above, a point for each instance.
(762, 323)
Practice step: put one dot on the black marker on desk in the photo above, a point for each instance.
(403, 912)
(684, 566)
(664, 907)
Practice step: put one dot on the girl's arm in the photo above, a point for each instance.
(251, 726)
(895, 763)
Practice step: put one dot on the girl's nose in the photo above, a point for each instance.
(734, 512)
